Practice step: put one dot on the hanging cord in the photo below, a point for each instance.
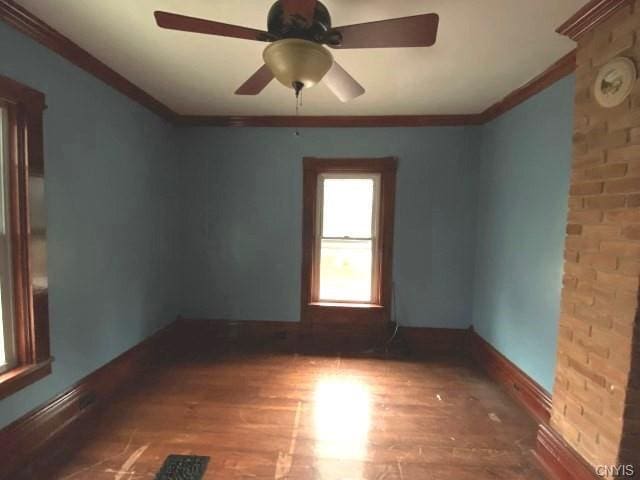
(298, 87)
(394, 316)
(394, 319)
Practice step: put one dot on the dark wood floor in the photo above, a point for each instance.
(285, 416)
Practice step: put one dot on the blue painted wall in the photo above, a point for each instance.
(123, 187)
(243, 212)
(112, 206)
(523, 185)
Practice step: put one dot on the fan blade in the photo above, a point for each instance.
(417, 31)
(257, 82)
(174, 21)
(343, 85)
(300, 8)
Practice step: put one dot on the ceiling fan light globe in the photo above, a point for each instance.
(295, 60)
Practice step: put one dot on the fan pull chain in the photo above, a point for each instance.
(298, 87)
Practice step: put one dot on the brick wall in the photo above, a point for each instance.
(595, 397)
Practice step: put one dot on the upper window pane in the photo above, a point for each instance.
(347, 207)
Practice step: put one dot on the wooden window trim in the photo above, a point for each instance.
(378, 311)
(25, 108)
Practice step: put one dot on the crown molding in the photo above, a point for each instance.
(27, 23)
(557, 71)
(592, 14)
(330, 121)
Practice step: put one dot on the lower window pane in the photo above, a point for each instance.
(345, 270)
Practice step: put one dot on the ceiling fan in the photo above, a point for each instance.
(298, 31)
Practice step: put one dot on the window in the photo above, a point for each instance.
(24, 318)
(347, 216)
(347, 237)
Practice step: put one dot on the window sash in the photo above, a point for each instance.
(8, 358)
(375, 243)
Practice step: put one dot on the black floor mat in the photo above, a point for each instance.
(183, 467)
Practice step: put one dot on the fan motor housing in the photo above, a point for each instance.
(283, 26)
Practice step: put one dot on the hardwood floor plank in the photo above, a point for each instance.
(287, 416)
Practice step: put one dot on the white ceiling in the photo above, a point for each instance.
(485, 49)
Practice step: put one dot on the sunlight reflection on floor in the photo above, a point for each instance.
(342, 415)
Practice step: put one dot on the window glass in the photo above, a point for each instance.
(347, 242)
(6, 304)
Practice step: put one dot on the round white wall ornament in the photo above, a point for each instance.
(615, 81)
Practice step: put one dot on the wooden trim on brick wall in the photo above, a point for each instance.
(535, 399)
(558, 459)
(592, 14)
(27, 23)
(35, 433)
(24, 21)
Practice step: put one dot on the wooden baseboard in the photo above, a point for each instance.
(424, 342)
(31, 435)
(558, 459)
(343, 338)
(535, 399)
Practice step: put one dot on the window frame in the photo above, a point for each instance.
(25, 107)
(378, 310)
(375, 236)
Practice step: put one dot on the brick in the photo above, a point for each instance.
(608, 140)
(631, 232)
(621, 248)
(629, 266)
(581, 124)
(565, 332)
(577, 203)
(571, 256)
(599, 260)
(633, 200)
(582, 243)
(601, 231)
(624, 154)
(604, 202)
(601, 364)
(580, 272)
(585, 216)
(575, 324)
(627, 24)
(589, 159)
(620, 44)
(633, 168)
(592, 399)
(569, 282)
(622, 329)
(601, 292)
(622, 282)
(623, 216)
(625, 185)
(575, 296)
(607, 171)
(574, 229)
(591, 345)
(587, 188)
(628, 120)
(592, 317)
